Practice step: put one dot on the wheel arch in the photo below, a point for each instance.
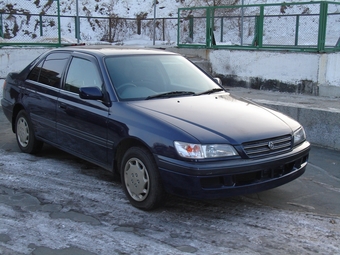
(121, 149)
(16, 109)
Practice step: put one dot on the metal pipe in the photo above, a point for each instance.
(242, 18)
(154, 21)
(77, 23)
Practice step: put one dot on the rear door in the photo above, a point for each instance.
(82, 124)
(41, 93)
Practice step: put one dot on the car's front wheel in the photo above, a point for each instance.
(25, 134)
(141, 180)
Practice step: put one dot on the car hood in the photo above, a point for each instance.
(210, 118)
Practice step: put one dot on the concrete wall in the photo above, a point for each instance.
(317, 74)
(329, 74)
(322, 126)
(15, 59)
(289, 68)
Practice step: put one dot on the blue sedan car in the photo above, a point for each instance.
(156, 120)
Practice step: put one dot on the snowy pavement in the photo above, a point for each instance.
(54, 203)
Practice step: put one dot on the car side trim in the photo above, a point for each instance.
(82, 135)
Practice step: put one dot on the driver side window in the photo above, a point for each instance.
(82, 73)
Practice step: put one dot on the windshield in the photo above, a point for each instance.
(157, 76)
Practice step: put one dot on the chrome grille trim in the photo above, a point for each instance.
(261, 148)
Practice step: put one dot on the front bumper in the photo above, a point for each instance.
(202, 180)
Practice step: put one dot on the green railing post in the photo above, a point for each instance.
(256, 33)
(41, 25)
(191, 27)
(178, 25)
(163, 29)
(297, 30)
(76, 27)
(221, 40)
(59, 24)
(260, 27)
(210, 27)
(322, 26)
(207, 32)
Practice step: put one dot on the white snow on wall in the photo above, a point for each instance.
(15, 59)
(282, 66)
(333, 70)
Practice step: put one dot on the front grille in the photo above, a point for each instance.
(268, 147)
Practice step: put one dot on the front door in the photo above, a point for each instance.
(82, 124)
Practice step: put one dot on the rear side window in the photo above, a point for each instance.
(49, 71)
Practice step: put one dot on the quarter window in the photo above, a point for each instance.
(34, 74)
(82, 73)
(50, 70)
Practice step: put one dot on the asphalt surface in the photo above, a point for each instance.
(54, 203)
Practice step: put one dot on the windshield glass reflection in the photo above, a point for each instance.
(145, 76)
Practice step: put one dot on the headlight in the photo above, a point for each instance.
(299, 136)
(199, 151)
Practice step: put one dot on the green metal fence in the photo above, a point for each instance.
(20, 27)
(305, 26)
(42, 23)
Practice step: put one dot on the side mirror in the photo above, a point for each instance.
(218, 81)
(93, 93)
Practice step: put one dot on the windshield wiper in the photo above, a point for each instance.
(171, 94)
(210, 91)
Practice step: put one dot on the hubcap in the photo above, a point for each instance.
(136, 179)
(23, 132)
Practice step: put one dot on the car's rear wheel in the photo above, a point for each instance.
(141, 180)
(25, 134)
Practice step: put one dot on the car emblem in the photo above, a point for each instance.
(271, 145)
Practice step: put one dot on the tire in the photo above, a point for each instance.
(25, 136)
(141, 180)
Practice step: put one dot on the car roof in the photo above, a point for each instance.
(109, 50)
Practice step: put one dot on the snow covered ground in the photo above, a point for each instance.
(54, 203)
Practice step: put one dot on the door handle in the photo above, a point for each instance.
(62, 106)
